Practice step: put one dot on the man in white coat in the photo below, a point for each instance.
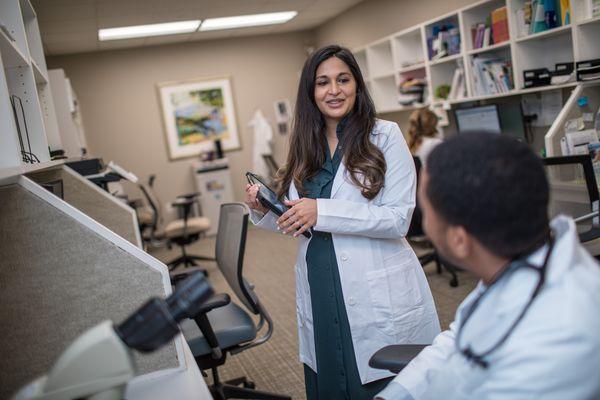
(531, 328)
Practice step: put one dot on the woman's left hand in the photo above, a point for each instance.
(301, 216)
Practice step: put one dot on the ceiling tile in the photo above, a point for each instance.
(167, 39)
(75, 26)
(72, 48)
(121, 44)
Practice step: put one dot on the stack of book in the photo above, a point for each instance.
(540, 15)
(445, 41)
(458, 88)
(412, 91)
(491, 76)
(493, 31)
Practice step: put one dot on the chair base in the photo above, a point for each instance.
(188, 260)
(433, 256)
(239, 388)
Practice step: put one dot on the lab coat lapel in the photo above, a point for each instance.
(339, 179)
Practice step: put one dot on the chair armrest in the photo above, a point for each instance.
(135, 203)
(218, 300)
(189, 196)
(203, 323)
(180, 275)
(394, 358)
(182, 202)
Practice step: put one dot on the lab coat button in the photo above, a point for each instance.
(344, 257)
(351, 301)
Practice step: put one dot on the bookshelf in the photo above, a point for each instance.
(389, 61)
(27, 116)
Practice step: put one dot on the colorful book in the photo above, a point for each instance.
(565, 12)
(500, 25)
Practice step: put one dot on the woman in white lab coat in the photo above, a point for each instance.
(350, 179)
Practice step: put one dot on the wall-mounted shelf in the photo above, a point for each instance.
(29, 127)
(38, 73)
(493, 47)
(411, 68)
(445, 59)
(11, 54)
(406, 53)
(590, 21)
(561, 30)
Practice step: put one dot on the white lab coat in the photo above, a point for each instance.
(263, 135)
(554, 353)
(388, 300)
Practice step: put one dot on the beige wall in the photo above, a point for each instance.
(122, 115)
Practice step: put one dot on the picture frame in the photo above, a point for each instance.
(283, 111)
(197, 112)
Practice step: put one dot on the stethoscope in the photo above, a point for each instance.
(479, 358)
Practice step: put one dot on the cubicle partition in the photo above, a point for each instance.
(62, 273)
(93, 201)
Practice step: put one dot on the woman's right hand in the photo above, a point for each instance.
(251, 200)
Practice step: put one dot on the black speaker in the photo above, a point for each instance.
(219, 148)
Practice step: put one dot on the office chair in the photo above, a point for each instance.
(416, 236)
(567, 196)
(182, 231)
(222, 327)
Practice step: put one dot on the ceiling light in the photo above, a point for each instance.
(242, 21)
(128, 32)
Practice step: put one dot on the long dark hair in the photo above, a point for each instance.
(308, 142)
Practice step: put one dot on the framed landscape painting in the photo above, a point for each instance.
(196, 113)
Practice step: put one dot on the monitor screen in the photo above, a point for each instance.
(478, 119)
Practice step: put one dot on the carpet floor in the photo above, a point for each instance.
(268, 264)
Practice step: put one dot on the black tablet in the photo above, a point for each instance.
(268, 198)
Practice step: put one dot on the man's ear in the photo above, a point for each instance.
(459, 242)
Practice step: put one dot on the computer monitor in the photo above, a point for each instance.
(478, 119)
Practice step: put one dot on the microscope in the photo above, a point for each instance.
(99, 363)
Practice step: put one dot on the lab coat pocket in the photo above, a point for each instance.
(395, 298)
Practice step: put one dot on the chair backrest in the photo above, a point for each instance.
(148, 191)
(229, 252)
(574, 190)
(416, 223)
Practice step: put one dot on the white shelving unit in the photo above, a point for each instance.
(388, 61)
(27, 116)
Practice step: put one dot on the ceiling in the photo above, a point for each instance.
(71, 26)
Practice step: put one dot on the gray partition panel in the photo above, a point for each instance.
(57, 279)
(87, 200)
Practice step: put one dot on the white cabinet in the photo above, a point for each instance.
(29, 130)
(67, 113)
(389, 61)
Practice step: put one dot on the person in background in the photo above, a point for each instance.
(422, 133)
(530, 328)
(351, 181)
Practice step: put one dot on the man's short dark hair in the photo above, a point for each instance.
(495, 187)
